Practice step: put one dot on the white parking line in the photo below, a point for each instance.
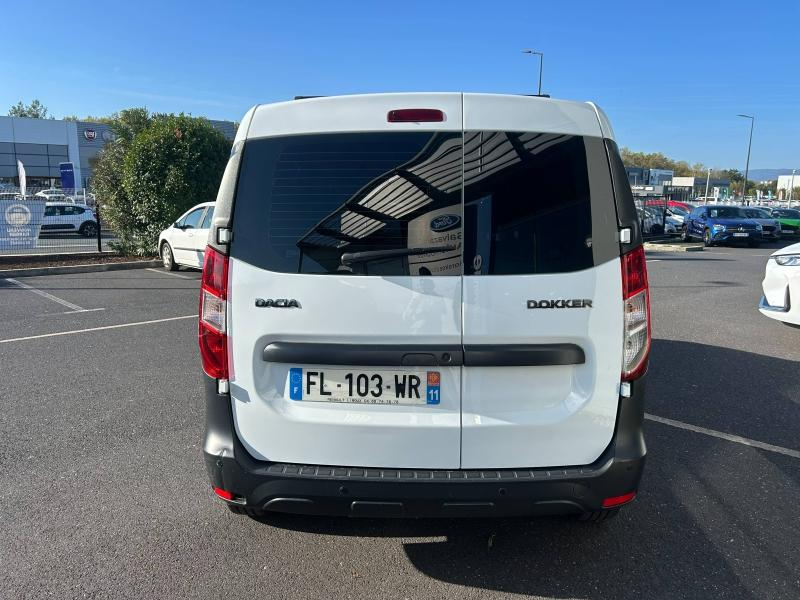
(724, 436)
(160, 272)
(46, 335)
(25, 286)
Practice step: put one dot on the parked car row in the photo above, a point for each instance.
(719, 223)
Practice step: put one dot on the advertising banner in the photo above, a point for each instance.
(20, 221)
(441, 227)
(67, 175)
(23, 180)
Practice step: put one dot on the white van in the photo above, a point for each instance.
(428, 304)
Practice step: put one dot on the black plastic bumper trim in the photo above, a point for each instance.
(365, 491)
(471, 355)
(523, 355)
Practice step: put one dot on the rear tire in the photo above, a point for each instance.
(168, 258)
(88, 229)
(707, 241)
(685, 237)
(598, 515)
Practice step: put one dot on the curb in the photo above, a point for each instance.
(648, 247)
(65, 270)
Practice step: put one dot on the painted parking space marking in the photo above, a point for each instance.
(160, 272)
(43, 294)
(90, 329)
(724, 436)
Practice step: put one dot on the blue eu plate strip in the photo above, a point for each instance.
(296, 383)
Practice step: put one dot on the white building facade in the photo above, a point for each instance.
(40, 144)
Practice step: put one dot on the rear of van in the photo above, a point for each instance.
(425, 305)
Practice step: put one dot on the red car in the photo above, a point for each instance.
(670, 203)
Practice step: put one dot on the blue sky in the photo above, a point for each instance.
(672, 76)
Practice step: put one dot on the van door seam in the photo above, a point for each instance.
(462, 374)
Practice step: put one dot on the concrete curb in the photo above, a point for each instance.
(65, 270)
(651, 247)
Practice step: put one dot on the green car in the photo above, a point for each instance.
(789, 219)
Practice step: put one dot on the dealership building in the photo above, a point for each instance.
(41, 145)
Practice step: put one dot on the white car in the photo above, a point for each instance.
(51, 193)
(183, 242)
(678, 214)
(395, 321)
(781, 300)
(66, 217)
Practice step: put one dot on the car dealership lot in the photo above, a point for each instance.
(104, 492)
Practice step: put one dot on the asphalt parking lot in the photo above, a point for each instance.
(104, 495)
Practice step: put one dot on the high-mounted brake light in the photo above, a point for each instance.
(212, 335)
(636, 315)
(415, 115)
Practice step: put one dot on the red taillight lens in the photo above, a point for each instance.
(618, 500)
(415, 115)
(224, 494)
(636, 307)
(213, 304)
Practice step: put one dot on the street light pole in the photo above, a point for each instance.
(747, 165)
(541, 65)
(708, 180)
(791, 190)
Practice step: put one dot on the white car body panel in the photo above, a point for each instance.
(489, 417)
(351, 113)
(494, 112)
(342, 309)
(542, 416)
(781, 287)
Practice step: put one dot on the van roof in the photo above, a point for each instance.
(368, 112)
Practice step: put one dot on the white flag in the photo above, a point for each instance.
(22, 180)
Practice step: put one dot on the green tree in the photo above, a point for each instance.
(34, 110)
(157, 168)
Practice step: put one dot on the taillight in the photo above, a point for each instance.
(224, 494)
(213, 303)
(415, 115)
(636, 303)
(619, 500)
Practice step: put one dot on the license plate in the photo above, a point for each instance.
(744, 234)
(364, 387)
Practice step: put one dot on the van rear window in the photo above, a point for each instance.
(408, 203)
(536, 203)
(390, 202)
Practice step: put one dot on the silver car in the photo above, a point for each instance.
(771, 226)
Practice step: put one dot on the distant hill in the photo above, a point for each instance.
(769, 174)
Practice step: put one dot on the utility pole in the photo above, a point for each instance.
(541, 65)
(791, 190)
(708, 180)
(747, 165)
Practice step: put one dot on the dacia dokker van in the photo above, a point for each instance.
(428, 304)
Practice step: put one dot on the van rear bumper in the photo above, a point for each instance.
(373, 492)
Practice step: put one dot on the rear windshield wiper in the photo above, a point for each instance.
(350, 258)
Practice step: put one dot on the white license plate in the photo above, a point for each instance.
(364, 387)
(738, 234)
